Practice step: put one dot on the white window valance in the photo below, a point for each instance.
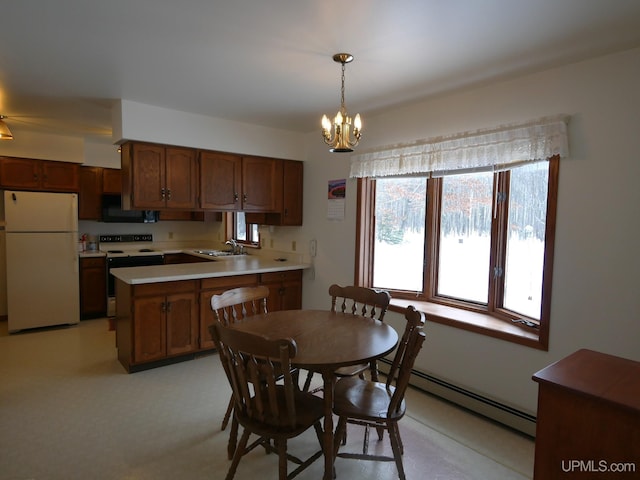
(490, 149)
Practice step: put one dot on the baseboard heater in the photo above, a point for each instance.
(472, 401)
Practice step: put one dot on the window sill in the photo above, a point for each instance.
(472, 321)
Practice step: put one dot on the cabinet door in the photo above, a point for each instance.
(181, 173)
(149, 329)
(220, 181)
(148, 177)
(93, 287)
(285, 290)
(182, 323)
(261, 184)
(90, 195)
(291, 295)
(20, 173)
(60, 176)
(111, 181)
(293, 177)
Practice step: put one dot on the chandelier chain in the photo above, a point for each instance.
(342, 109)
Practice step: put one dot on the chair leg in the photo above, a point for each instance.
(281, 445)
(307, 382)
(341, 430)
(227, 415)
(233, 438)
(238, 454)
(394, 436)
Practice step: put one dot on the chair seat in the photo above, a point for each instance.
(351, 370)
(309, 408)
(364, 400)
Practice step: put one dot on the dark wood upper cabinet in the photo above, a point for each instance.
(261, 184)
(156, 177)
(90, 195)
(165, 178)
(290, 213)
(111, 181)
(43, 175)
(220, 181)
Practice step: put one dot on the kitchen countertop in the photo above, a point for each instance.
(220, 267)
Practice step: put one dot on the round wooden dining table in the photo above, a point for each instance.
(325, 340)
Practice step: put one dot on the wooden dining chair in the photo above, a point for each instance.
(236, 304)
(367, 302)
(380, 405)
(229, 307)
(273, 411)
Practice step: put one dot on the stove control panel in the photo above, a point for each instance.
(143, 237)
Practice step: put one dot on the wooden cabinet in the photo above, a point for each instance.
(588, 417)
(261, 184)
(229, 182)
(94, 182)
(90, 194)
(285, 289)
(93, 287)
(157, 322)
(220, 181)
(111, 181)
(215, 286)
(42, 175)
(158, 177)
(291, 211)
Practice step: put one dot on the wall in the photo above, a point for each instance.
(594, 299)
(137, 121)
(97, 151)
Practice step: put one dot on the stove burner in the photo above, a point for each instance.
(145, 250)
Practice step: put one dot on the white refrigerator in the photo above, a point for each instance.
(41, 236)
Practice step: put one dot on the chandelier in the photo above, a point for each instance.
(5, 133)
(341, 140)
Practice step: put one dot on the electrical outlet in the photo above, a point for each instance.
(313, 247)
(293, 245)
(170, 235)
(271, 243)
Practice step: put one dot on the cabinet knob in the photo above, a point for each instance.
(169, 194)
(162, 193)
(244, 197)
(235, 196)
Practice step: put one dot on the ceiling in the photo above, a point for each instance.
(63, 63)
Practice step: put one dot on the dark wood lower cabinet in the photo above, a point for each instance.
(160, 323)
(93, 287)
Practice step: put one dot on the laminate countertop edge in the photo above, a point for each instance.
(244, 265)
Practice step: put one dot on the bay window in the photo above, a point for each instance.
(472, 247)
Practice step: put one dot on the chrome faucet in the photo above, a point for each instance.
(234, 245)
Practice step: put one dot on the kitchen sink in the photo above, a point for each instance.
(217, 253)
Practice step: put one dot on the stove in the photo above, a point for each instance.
(127, 251)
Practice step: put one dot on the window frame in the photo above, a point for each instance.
(231, 232)
(492, 320)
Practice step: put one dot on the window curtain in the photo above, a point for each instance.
(493, 149)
